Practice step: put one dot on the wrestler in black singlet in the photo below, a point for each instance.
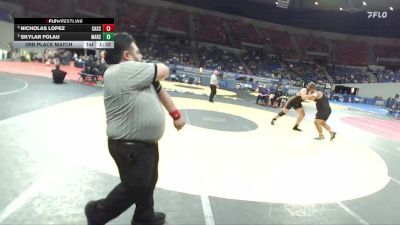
(294, 101)
(323, 108)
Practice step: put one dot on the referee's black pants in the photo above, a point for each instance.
(213, 92)
(138, 168)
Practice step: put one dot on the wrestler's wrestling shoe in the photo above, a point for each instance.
(319, 138)
(273, 121)
(296, 128)
(333, 135)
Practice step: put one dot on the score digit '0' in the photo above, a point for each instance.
(108, 27)
(108, 36)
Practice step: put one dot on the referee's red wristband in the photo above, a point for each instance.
(175, 114)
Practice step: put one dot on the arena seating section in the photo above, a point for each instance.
(351, 53)
(347, 75)
(210, 29)
(259, 63)
(96, 6)
(244, 32)
(387, 51)
(48, 7)
(388, 76)
(133, 22)
(280, 42)
(308, 72)
(165, 49)
(213, 58)
(173, 19)
(174, 47)
(310, 43)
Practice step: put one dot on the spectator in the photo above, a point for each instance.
(263, 96)
(277, 96)
(393, 110)
(58, 75)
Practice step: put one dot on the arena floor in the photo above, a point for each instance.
(227, 166)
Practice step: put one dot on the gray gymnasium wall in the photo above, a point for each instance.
(7, 29)
(7, 34)
(384, 90)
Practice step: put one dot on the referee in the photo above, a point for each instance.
(133, 100)
(213, 85)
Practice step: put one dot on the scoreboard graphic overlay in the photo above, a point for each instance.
(90, 33)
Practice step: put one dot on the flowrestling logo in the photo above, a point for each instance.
(380, 15)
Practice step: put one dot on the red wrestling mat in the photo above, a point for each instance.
(38, 69)
(383, 128)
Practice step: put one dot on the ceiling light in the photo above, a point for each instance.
(316, 3)
(364, 3)
(341, 9)
(391, 8)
